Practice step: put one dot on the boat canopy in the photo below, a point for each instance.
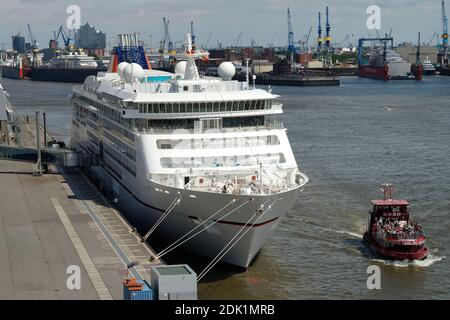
(390, 203)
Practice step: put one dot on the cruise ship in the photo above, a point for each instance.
(206, 160)
(72, 67)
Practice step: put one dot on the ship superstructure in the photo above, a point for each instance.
(204, 159)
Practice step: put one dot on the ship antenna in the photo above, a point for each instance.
(387, 189)
(246, 67)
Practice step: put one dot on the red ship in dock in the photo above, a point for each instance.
(391, 232)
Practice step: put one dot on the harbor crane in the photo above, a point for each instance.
(205, 46)
(291, 44)
(33, 42)
(305, 43)
(193, 36)
(328, 37)
(430, 43)
(65, 36)
(444, 35)
(327, 56)
(319, 31)
(238, 39)
(166, 40)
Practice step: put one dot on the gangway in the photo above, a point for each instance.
(60, 157)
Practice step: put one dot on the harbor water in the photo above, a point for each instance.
(348, 140)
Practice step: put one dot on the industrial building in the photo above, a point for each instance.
(261, 66)
(18, 43)
(408, 52)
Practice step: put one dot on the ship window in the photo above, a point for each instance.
(196, 107)
(241, 105)
(202, 107)
(210, 107)
(155, 108)
(185, 88)
(183, 108)
(247, 105)
(141, 108)
(189, 107)
(223, 106)
(176, 108)
(235, 105)
(216, 106)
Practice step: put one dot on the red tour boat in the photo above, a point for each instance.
(392, 234)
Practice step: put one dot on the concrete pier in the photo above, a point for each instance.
(51, 225)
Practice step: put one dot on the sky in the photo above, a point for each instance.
(265, 21)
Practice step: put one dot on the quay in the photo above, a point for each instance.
(58, 221)
(297, 81)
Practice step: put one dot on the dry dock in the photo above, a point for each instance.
(50, 223)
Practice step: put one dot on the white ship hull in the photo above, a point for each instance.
(147, 207)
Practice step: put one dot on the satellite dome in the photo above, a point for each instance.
(133, 71)
(120, 68)
(226, 70)
(180, 67)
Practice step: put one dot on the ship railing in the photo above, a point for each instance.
(193, 131)
(229, 184)
(401, 235)
(202, 165)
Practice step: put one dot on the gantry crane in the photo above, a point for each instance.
(291, 44)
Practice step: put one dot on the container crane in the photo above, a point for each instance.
(291, 45)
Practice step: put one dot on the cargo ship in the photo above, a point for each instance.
(14, 69)
(386, 64)
(391, 231)
(72, 67)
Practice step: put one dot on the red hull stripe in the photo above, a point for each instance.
(243, 224)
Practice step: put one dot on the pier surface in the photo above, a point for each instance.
(53, 224)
